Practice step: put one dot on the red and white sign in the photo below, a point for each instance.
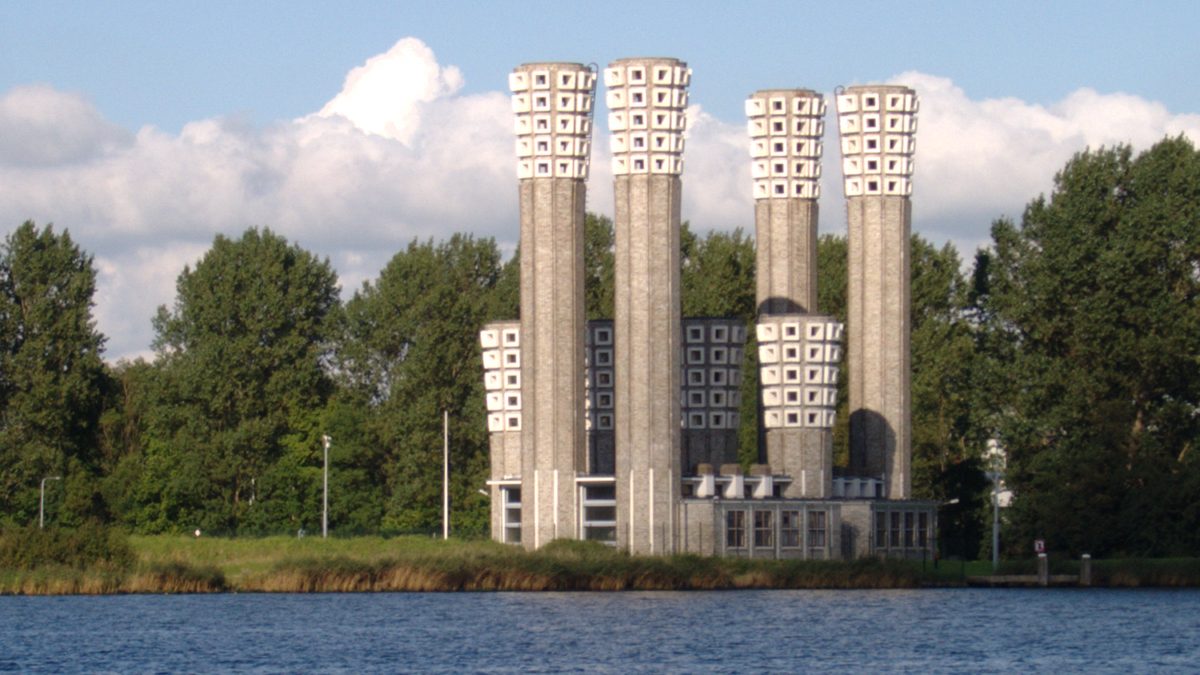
(1039, 545)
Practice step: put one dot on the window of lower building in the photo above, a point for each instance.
(880, 530)
(908, 529)
(922, 529)
(735, 529)
(511, 514)
(817, 529)
(894, 537)
(764, 529)
(789, 529)
(599, 522)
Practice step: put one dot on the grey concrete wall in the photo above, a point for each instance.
(553, 437)
(786, 255)
(878, 339)
(856, 529)
(647, 374)
(806, 455)
(699, 529)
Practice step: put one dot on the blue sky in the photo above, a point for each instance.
(145, 128)
(167, 63)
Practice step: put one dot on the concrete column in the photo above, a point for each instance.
(646, 100)
(552, 102)
(878, 338)
(785, 127)
(647, 332)
(552, 327)
(786, 255)
(877, 124)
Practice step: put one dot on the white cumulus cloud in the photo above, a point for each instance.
(44, 127)
(978, 160)
(400, 153)
(384, 95)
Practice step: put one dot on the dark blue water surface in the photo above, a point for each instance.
(953, 630)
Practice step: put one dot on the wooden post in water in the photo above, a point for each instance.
(1085, 570)
(1043, 570)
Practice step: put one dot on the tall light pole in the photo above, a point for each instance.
(445, 474)
(995, 521)
(325, 492)
(996, 459)
(42, 502)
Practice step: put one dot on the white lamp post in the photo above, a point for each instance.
(445, 474)
(42, 502)
(325, 492)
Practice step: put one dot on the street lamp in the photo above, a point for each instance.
(995, 476)
(325, 496)
(42, 502)
(996, 461)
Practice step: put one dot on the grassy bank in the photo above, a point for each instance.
(422, 564)
(175, 564)
(180, 564)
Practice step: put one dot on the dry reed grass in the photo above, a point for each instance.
(179, 565)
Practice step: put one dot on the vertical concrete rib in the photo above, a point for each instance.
(646, 99)
(552, 102)
(877, 125)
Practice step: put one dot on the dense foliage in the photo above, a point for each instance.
(1092, 309)
(1072, 340)
(52, 380)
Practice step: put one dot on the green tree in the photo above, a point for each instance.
(410, 350)
(234, 431)
(599, 265)
(51, 376)
(717, 274)
(1093, 305)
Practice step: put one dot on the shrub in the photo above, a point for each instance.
(90, 544)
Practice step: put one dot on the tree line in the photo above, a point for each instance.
(1073, 339)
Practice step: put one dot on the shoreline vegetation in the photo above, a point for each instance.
(83, 562)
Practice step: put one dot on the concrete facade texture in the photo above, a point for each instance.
(805, 455)
(785, 255)
(877, 340)
(647, 374)
(552, 328)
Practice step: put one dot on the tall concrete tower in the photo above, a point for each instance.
(797, 371)
(646, 100)
(877, 125)
(785, 127)
(553, 106)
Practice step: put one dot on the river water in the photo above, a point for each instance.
(943, 630)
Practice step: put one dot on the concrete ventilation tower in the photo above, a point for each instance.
(798, 350)
(646, 101)
(553, 106)
(877, 125)
(785, 128)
